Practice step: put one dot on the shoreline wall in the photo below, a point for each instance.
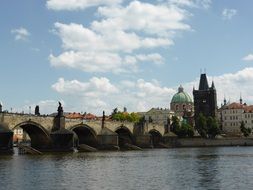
(199, 142)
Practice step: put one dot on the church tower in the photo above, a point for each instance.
(205, 100)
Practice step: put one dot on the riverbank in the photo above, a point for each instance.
(200, 142)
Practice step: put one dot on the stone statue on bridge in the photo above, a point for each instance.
(60, 110)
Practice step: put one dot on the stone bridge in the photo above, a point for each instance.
(89, 132)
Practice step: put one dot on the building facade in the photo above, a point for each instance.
(158, 115)
(232, 115)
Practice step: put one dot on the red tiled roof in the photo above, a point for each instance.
(80, 116)
(248, 109)
(235, 105)
(89, 116)
(74, 116)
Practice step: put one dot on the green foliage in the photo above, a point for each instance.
(124, 116)
(207, 127)
(246, 131)
(201, 125)
(185, 130)
(212, 127)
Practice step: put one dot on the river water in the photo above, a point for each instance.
(183, 168)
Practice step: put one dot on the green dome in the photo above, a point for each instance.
(181, 96)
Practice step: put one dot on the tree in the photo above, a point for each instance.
(183, 130)
(212, 127)
(124, 116)
(246, 131)
(175, 124)
(201, 125)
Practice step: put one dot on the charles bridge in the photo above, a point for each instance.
(59, 133)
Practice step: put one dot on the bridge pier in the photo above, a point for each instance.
(6, 139)
(143, 141)
(108, 140)
(62, 139)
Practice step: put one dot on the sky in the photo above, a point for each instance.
(95, 55)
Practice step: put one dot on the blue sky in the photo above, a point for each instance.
(96, 55)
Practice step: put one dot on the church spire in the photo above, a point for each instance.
(225, 101)
(240, 98)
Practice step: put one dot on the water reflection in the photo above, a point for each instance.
(207, 168)
(186, 168)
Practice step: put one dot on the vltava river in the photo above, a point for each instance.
(184, 168)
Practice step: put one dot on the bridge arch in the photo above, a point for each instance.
(124, 136)
(86, 135)
(156, 137)
(40, 137)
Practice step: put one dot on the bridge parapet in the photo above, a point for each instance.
(15, 119)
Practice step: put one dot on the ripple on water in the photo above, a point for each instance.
(184, 168)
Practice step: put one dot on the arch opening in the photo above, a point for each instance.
(156, 138)
(38, 137)
(124, 137)
(86, 135)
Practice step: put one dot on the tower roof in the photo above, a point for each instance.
(203, 83)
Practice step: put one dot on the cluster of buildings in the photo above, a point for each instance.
(229, 115)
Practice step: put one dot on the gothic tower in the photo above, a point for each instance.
(205, 100)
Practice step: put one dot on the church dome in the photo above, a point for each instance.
(181, 96)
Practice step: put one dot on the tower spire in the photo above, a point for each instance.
(203, 84)
(225, 101)
(213, 87)
(240, 98)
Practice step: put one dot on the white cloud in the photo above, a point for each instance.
(99, 94)
(192, 3)
(93, 88)
(20, 33)
(248, 58)
(149, 18)
(93, 62)
(71, 5)
(110, 44)
(228, 14)
(154, 57)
